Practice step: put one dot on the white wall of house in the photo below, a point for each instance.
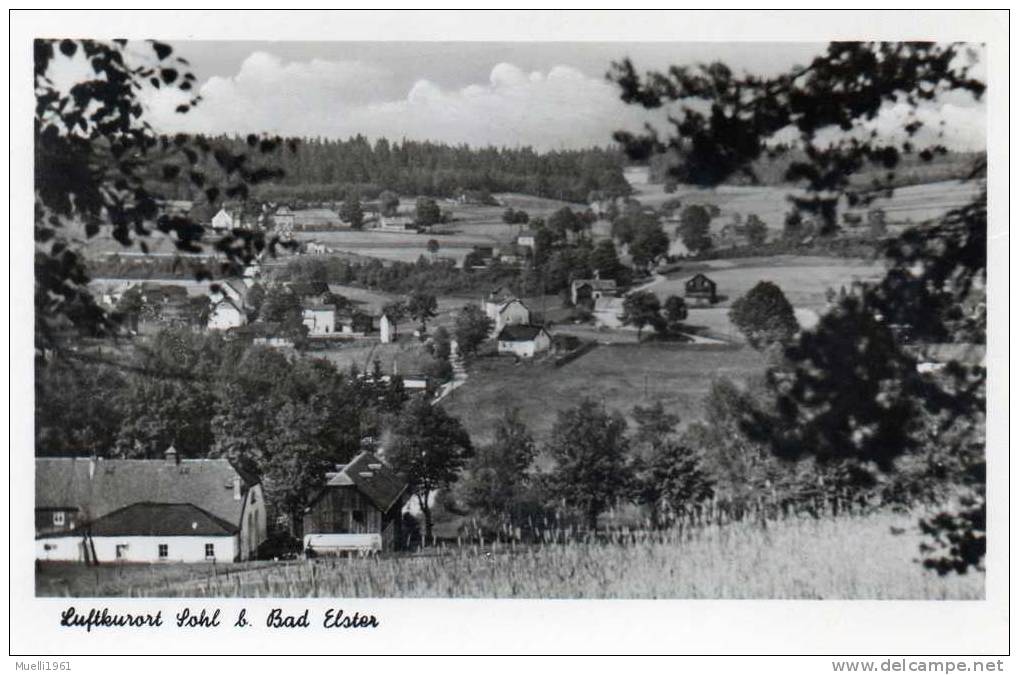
(225, 316)
(141, 549)
(514, 312)
(525, 348)
(253, 523)
(320, 321)
(222, 220)
(387, 330)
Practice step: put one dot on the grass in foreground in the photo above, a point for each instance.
(841, 558)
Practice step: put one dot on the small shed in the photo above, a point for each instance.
(701, 289)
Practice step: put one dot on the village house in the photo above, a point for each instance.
(316, 248)
(223, 220)
(357, 510)
(588, 291)
(701, 290)
(320, 319)
(354, 323)
(226, 314)
(526, 238)
(397, 224)
(523, 340)
(505, 310)
(147, 510)
(283, 223)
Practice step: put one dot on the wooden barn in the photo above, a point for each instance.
(701, 290)
(358, 509)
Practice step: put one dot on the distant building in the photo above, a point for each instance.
(226, 314)
(316, 248)
(387, 329)
(358, 509)
(320, 319)
(506, 311)
(701, 290)
(526, 238)
(146, 510)
(223, 220)
(523, 340)
(397, 224)
(588, 291)
(283, 223)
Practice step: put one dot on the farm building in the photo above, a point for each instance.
(701, 289)
(526, 238)
(588, 291)
(317, 219)
(358, 509)
(506, 312)
(146, 510)
(523, 340)
(226, 314)
(397, 224)
(320, 319)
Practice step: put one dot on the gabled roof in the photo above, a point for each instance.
(99, 487)
(700, 278)
(597, 284)
(161, 520)
(520, 333)
(225, 300)
(507, 303)
(372, 478)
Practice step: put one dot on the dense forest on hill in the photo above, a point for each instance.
(321, 169)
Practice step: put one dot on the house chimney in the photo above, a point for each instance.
(171, 455)
(237, 488)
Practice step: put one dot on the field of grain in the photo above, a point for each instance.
(621, 376)
(801, 558)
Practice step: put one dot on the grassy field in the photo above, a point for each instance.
(621, 376)
(803, 279)
(842, 558)
(912, 204)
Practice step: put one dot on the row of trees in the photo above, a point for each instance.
(322, 169)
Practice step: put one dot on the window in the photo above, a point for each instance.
(58, 518)
(357, 524)
(164, 551)
(121, 551)
(210, 551)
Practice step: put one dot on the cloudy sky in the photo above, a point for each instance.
(547, 95)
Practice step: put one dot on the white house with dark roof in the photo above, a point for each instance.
(505, 311)
(146, 510)
(523, 340)
(588, 291)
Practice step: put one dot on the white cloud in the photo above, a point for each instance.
(560, 108)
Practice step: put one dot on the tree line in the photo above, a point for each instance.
(322, 169)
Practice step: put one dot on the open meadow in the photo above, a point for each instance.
(912, 204)
(620, 375)
(850, 557)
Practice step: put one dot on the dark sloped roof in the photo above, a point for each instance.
(156, 520)
(372, 478)
(598, 284)
(115, 483)
(519, 333)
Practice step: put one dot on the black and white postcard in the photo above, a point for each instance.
(517, 332)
